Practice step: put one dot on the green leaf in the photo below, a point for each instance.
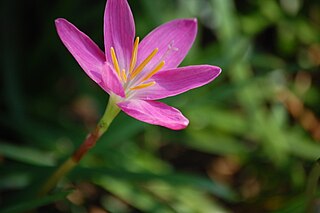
(304, 148)
(174, 179)
(159, 196)
(33, 203)
(25, 154)
(215, 143)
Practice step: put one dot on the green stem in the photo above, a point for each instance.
(111, 112)
(312, 186)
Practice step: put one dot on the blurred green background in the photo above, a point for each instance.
(254, 132)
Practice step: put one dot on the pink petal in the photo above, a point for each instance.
(175, 81)
(119, 31)
(173, 39)
(155, 113)
(111, 82)
(83, 49)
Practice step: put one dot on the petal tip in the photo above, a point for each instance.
(218, 70)
(193, 21)
(193, 24)
(215, 70)
(59, 20)
(184, 124)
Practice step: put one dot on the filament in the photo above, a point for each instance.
(154, 71)
(124, 76)
(141, 86)
(144, 63)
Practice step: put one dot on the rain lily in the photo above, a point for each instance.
(135, 74)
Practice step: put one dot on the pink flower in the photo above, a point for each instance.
(136, 75)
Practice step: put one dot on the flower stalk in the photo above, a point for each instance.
(111, 112)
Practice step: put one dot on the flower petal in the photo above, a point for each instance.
(110, 81)
(175, 81)
(84, 50)
(155, 113)
(173, 39)
(119, 31)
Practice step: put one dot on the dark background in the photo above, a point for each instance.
(254, 132)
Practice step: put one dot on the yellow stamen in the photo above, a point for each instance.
(144, 63)
(115, 61)
(141, 86)
(134, 55)
(124, 76)
(154, 71)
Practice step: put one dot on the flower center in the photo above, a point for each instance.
(129, 78)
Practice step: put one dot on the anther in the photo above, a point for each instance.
(115, 61)
(134, 55)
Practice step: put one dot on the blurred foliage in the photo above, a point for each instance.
(254, 132)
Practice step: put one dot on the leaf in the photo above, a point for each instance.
(25, 154)
(174, 179)
(297, 204)
(304, 148)
(159, 196)
(33, 203)
(215, 143)
(134, 195)
(228, 121)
